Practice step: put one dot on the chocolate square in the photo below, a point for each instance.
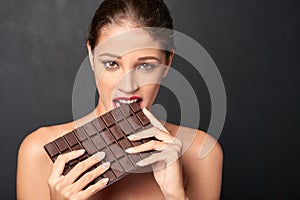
(107, 133)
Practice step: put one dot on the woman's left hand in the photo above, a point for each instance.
(165, 162)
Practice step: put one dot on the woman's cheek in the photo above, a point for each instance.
(107, 82)
(149, 92)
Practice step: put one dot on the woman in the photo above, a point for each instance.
(128, 61)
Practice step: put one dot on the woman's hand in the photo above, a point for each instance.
(68, 187)
(166, 165)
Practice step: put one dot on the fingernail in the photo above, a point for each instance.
(129, 150)
(104, 180)
(100, 155)
(130, 137)
(140, 163)
(81, 150)
(105, 165)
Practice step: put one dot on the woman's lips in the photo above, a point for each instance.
(126, 100)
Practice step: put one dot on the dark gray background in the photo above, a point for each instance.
(254, 43)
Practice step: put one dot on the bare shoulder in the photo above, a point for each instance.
(31, 151)
(204, 146)
(34, 142)
(195, 142)
(202, 162)
(34, 165)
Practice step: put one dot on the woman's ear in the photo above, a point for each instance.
(169, 62)
(91, 55)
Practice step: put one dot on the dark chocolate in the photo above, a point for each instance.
(107, 133)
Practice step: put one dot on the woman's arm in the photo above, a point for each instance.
(33, 169)
(204, 175)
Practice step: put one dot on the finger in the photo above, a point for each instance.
(93, 189)
(60, 162)
(154, 121)
(171, 154)
(144, 134)
(151, 132)
(168, 138)
(81, 167)
(151, 145)
(168, 156)
(158, 134)
(151, 159)
(88, 177)
(158, 165)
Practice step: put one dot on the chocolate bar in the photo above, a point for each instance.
(107, 133)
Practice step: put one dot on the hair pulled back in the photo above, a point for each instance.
(137, 13)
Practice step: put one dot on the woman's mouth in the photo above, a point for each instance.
(126, 100)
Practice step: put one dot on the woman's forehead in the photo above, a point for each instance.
(120, 40)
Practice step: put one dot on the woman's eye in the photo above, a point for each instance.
(146, 67)
(110, 65)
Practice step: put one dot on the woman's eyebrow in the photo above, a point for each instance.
(148, 58)
(110, 55)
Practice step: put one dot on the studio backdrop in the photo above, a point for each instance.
(254, 45)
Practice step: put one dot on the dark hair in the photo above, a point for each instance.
(139, 13)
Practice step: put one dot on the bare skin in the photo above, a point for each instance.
(201, 177)
(133, 70)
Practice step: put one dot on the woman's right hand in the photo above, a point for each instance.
(68, 187)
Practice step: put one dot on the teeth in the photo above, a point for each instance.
(122, 101)
(127, 101)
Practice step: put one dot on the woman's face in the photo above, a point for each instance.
(128, 67)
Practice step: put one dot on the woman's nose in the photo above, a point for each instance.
(128, 83)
